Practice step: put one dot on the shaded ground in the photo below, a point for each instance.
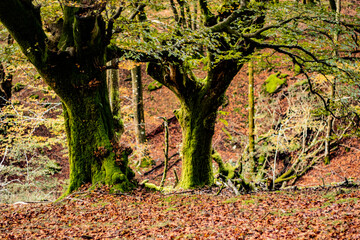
(320, 214)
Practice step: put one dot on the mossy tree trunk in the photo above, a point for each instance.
(74, 67)
(249, 167)
(93, 152)
(197, 123)
(197, 115)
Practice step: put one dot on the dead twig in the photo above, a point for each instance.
(347, 146)
(230, 184)
(159, 165)
(173, 164)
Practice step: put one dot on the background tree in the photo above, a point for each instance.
(114, 98)
(250, 164)
(335, 7)
(5, 76)
(137, 90)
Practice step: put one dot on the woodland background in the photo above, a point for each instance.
(34, 164)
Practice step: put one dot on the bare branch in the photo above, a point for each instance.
(111, 24)
(174, 10)
(258, 32)
(209, 17)
(138, 10)
(226, 23)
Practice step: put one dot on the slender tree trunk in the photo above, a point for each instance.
(5, 86)
(336, 7)
(250, 163)
(138, 105)
(166, 152)
(114, 98)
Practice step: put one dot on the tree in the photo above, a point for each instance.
(114, 98)
(230, 35)
(335, 7)
(200, 98)
(73, 64)
(5, 86)
(5, 77)
(250, 164)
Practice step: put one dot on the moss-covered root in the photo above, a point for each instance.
(154, 187)
(225, 169)
(228, 172)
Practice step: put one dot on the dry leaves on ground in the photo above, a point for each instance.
(97, 214)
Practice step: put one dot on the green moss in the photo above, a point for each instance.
(231, 200)
(118, 177)
(261, 160)
(34, 96)
(152, 186)
(297, 69)
(154, 86)
(92, 157)
(198, 127)
(170, 209)
(274, 83)
(146, 162)
(18, 87)
(225, 169)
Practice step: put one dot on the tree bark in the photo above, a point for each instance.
(197, 124)
(336, 7)
(5, 86)
(94, 155)
(138, 103)
(114, 98)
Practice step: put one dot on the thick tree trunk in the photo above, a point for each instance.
(197, 123)
(197, 115)
(94, 154)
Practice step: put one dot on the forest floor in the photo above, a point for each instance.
(199, 214)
